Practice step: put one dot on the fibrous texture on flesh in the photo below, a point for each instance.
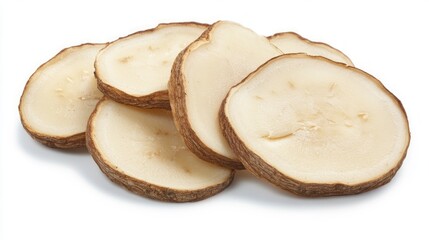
(60, 96)
(141, 150)
(316, 127)
(202, 75)
(135, 69)
(290, 42)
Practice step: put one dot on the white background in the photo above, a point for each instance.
(50, 194)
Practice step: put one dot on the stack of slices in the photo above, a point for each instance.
(171, 112)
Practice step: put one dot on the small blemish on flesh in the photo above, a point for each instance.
(363, 116)
(332, 86)
(125, 59)
(348, 124)
(84, 98)
(152, 154)
(270, 136)
(152, 48)
(160, 132)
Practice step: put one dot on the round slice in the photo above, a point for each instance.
(316, 127)
(59, 97)
(200, 79)
(141, 150)
(290, 42)
(135, 69)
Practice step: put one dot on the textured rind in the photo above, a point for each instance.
(177, 95)
(258, 167)
(144, 188)
(154, 100)
(320, 44)
(157, 99)
(64, 142)
(70, 142)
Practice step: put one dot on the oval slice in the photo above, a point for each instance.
(141, 150)
(200, 79)
(316, 127)
(135, 69)
(290, 42)
(59, 97)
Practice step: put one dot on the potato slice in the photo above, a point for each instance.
(135, 69)
(201, 76)
(316, 127)
(290, 42)
(59, 97)
(141, 150)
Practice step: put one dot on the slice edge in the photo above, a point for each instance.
(257, 166)
(176, 91)
(141, 187)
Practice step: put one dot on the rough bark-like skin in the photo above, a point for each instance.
(157, 99)
(154, 100)
(176, 90)
(64, 142)
(144, 188)
(320, 44)
(67, 142)
(258, 167)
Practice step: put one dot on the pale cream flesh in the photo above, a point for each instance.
(140, 64)
(144, 144)
(211, 68)
(61, 94)
(290, 42)
(317, 121)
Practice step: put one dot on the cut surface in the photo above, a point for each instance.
(316, 127)
(60, 96)
(290, 42)
(135, 69)
(142, 150)
(201, 77)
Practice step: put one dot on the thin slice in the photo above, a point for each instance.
(290, 42)
(201, 77)
(59, 97)
(316, 127)
(142, 151)
(135, 69)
